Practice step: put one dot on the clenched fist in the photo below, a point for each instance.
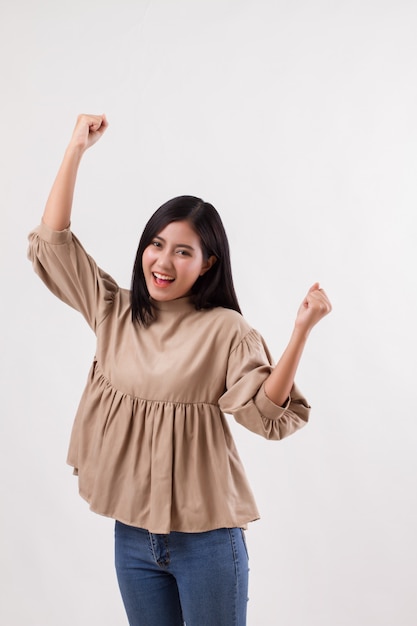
(88, 130)
(314, 307)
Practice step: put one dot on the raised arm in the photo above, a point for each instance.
(88, 130)
(313, 308)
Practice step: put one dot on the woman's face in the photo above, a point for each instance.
(173, 261)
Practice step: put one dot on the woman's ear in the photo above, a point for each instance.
(208, 264)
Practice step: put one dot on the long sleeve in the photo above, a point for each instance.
(71, 274)
(249, 365)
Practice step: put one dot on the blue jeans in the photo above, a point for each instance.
(197, 579)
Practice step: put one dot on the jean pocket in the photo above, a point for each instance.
(244, 542)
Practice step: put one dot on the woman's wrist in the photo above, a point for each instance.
(300, 333)
(74, 151)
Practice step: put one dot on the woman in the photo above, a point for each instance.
(150, 443)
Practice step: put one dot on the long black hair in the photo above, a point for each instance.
(215, 287)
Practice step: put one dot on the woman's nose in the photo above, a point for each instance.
(164, 258)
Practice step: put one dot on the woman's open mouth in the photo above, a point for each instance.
(162, 280)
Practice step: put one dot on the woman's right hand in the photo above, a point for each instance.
(88, 130)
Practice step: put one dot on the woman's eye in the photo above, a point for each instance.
(157, 244)
(183, 253)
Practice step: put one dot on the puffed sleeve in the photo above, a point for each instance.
(249, 365)
(70, 273)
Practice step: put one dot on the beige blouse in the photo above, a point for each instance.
(150, 443)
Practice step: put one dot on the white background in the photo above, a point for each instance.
(297, 120)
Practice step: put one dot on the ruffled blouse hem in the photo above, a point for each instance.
(183, 528)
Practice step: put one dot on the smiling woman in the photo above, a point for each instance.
(184, 220)
(174, 261)
(150, 443)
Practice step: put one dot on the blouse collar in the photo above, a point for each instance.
(175, 306)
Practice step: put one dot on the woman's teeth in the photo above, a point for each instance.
(162, 277)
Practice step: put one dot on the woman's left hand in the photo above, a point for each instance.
(314, 307)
